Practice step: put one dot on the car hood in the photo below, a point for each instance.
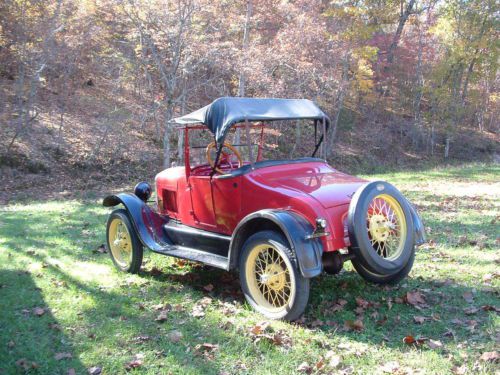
(328, 186)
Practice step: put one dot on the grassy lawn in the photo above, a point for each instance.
(65, 308)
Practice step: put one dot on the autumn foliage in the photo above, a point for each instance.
(94, 83)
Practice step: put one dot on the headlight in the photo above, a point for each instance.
(321, 223)
(143, 191)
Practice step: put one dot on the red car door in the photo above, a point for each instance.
(202, 200)
(227, 203)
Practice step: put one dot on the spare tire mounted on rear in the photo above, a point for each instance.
(380, 228)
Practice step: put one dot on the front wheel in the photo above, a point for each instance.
(123, 245)
(270, 279)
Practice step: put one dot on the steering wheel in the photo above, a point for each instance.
(225, 157)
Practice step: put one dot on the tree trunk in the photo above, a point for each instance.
(166, 136)
(405, 13)
(418, 91)
(244, 48)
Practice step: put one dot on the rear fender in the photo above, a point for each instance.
(307, 252)
(418, 225)
(147, 223)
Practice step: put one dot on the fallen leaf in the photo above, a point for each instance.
(462, 370)
(410, 340)
(356, 325)
(320, 364)
(207, 350)
(334, 360)
(382, 321)
(281, 339)
(54, 326)
(468, 297)
(155, 271)
(364, 304)
(38, 311)
(304, 367)
(135, 363)
(259, 328)
(95, 370)
(419, 319)
(415, 298)
(208, 287)
(390, 367)
(142, 338)
(101, 250)
(162, 316)
(175, 336)
(434, 344)
(61, 356)
(490, 308)
(490, 356)
(471, 310)
(71, 371)
(26, 365)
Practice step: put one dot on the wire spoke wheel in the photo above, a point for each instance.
(386, 226)
(269, 277)
(120, 242)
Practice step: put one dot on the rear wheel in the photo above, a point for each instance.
(383, 279)
(381, 232)
(123, 245)
(270, 279)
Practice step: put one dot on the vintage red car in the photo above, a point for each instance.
(279, 222)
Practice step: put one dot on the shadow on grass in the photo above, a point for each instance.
(30, 336)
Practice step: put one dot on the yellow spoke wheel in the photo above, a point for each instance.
(386, 225)
(381, 232)
(123, 244)
(120, 242)
(271, 281)
(269, 277)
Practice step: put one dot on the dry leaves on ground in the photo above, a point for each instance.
(206, 350)
(175, 336)
(261, 332)
(39, 311)
(200, 306)
(356, 325)
(26, 365)
(490, 357)
(416, 299)
(95, 370)
(61, 356)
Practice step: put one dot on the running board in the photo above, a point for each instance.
(195, 255)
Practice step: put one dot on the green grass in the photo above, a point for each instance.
(104, 318)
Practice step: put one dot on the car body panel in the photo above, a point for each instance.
(313, 189)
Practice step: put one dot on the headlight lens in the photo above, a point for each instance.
(321, 223)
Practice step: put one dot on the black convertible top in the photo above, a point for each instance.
(223, 113)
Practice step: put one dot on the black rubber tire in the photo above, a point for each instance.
(299, 301)
(383, 279)
(358, 234)
(137, 248)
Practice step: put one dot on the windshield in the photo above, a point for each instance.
(277, 140)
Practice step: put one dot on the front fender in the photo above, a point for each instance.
(147, 223)
(307, 252)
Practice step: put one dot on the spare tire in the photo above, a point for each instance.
(380, 228)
